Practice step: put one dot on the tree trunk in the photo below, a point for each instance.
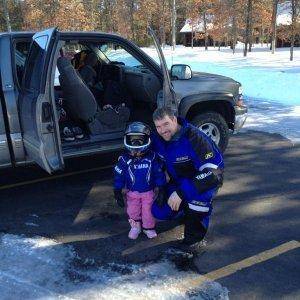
(174, 24)
(6, 15)
(273, 26)
(192, 41)
(261, 30)
(131, 12)
(251, 32)
(294, 3)
(162, 30)
(234, 33)
(247, 35)
(205, 30)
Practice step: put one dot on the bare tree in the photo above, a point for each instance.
(295, 4)
(162, 26)
(205, 30)
(6, 15)
(273, 26)
(174, 24)
(248, 26)
(234, 27)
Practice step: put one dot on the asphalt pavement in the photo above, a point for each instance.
(256, 210)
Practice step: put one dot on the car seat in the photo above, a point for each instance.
(79, 58)
(115, 91)
(82, 106)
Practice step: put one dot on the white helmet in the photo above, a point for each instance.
(137, 137)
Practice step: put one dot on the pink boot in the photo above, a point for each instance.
(150, 233)
(135, 229)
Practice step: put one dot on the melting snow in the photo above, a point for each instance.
(40, 268)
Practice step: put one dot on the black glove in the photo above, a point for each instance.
(119, 198)
(161, 197)
(208, 179)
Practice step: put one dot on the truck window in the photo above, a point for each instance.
(35, 62)
(21, 52)
(117, 54)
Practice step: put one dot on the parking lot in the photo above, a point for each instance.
(257, 210)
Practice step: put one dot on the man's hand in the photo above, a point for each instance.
(174, 201)
(119, 198)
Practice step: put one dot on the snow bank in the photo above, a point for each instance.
(33, 268)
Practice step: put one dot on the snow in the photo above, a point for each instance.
(284, 13)
(271, 82)
(40, 268)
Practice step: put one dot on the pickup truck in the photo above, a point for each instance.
(37, 75)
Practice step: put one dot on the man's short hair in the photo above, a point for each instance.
(162, 112)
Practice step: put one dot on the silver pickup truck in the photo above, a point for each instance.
(40, 77)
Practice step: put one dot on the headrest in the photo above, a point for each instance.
(62, 63)
(111, 72)
(91, 59)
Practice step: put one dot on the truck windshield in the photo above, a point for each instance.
(117, 54)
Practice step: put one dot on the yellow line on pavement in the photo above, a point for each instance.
(9, 186)
(192, 283)
(253, 260)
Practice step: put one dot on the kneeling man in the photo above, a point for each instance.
(195, 167)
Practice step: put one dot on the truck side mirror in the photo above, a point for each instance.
(181, 72)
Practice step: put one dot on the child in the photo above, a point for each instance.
(139, 173)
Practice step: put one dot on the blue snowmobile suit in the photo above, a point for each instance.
(140, 174)
(195, 166)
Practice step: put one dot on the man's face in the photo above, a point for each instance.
(166, 127)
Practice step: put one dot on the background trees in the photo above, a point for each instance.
(224, 21)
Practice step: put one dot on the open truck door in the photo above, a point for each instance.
(169, 96)
(37, 104)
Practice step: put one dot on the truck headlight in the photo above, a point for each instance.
(240, 90)
(240, 101)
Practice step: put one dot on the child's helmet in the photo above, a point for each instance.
(137, 137)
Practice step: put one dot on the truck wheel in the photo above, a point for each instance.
(214, 126)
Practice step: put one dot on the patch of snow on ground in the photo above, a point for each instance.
(273, 117)
(40, 268)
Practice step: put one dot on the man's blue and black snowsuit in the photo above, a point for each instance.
(195, 166)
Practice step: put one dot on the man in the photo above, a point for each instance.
(195, 167)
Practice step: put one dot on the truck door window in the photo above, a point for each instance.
(21, 52)
(35, 62)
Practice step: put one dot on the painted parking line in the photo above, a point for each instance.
(194, 283)
(9, 186)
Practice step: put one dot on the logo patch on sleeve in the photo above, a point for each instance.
(209, 155)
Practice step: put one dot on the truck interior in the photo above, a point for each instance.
(99, 87)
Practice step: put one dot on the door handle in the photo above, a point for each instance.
(46, 112)
(50, 127)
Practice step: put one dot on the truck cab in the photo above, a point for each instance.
(42, 75)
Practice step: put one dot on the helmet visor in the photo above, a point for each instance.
(136, 141)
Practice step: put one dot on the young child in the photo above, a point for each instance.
(139, 174)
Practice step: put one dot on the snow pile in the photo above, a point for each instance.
(32, 268)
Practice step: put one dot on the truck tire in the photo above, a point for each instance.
(214, 126)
